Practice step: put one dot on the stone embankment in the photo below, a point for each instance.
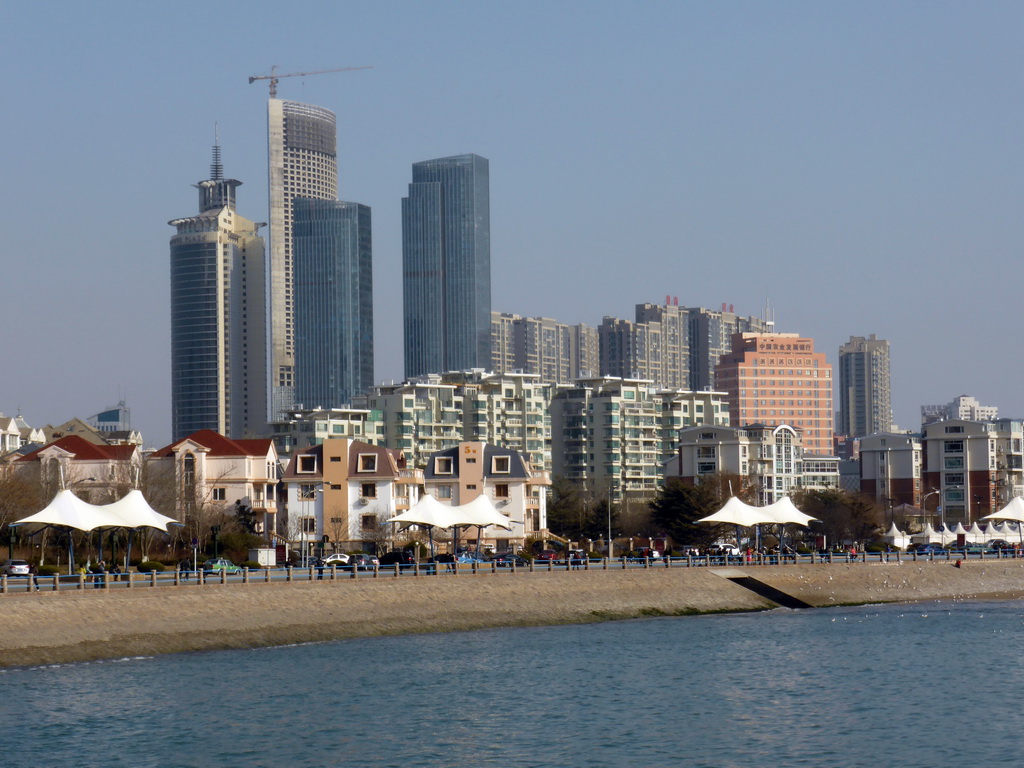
(48, 627)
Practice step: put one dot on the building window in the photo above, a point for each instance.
(369, 491)
(307, 491)
(335, 459)
(705, 467)
(336, 521)
(706, 452)
(954, 430)
(501, 465)
(307, 464)
(501, 490)
(367, 462)
(444, 491)
(335, 487)
(220, 494)
(954, 446)
(368, 522)
(443, 466)
(309, 525)
(954, 478)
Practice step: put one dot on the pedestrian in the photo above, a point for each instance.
(97, 572)
(319, 563)
(33, 577)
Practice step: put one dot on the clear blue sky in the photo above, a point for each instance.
(857, 164)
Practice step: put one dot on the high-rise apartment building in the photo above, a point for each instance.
(218, 316)
(617, 433)
(710, 337)
(302, 150)
(556, 352)
(333, 281)
(865, 406)
(778, 378)
(446, 266)
(434, 412)
(655, 347)
(674, 347)
(963, 407)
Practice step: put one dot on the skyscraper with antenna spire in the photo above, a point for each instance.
(218, 315)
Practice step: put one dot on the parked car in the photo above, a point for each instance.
(337, 559)
(15, 568)
(928, 549)
(509, 559)
(1000, 544)
(399, 557)
(547, 554)
(967, 548)
(218, 564)
(363, 562)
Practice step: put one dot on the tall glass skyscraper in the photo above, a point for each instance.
(446, 265)
(333, 301)
(218, 317)
(302, 148)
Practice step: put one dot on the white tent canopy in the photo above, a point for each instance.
(133, 511)
(428, 511)
(1012, 511)
(481, 511)
(785, 511)
(68, 511)
(737, 512)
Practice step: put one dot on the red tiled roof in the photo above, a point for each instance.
(218, 445)
(83, 450)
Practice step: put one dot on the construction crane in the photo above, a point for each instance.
(273, 76)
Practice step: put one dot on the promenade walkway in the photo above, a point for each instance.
(11, 585)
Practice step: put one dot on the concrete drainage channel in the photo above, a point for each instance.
(743, 578)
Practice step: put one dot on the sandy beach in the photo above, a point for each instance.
(72, 625)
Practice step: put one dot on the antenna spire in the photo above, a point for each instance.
(216, 168)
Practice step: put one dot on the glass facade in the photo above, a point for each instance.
(302, 149)
(446, 257)
(333, 301)
(218, 318)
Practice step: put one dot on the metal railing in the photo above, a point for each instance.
(212, 579)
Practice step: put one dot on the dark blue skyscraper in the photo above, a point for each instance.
(333, 301)
(446, 265)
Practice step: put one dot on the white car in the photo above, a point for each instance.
(338, 558)
(14, 568)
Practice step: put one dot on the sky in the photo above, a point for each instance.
(857, 166)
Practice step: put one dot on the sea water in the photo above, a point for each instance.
(929, 684)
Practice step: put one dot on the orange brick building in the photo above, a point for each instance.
(778, 378)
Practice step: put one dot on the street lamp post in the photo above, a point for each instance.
(924, 500)
(892, 513)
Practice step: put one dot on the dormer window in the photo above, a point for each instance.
(443, 465)
(307, 464)
(501, 465)
(367, 462)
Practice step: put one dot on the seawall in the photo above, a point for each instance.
(55, 627)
